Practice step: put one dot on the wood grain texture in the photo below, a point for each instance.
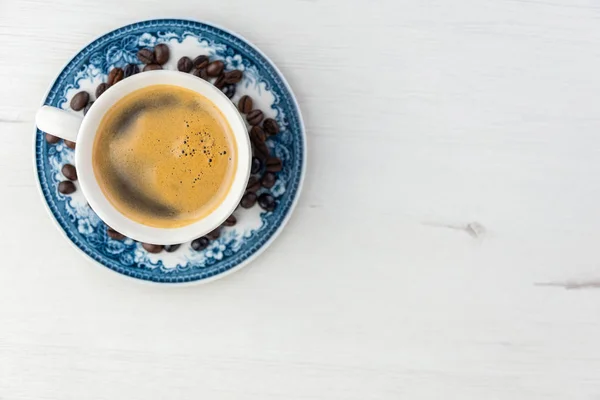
(445, 244)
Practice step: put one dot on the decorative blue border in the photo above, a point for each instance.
(284, 99)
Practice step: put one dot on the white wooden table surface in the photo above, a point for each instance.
(446, 244)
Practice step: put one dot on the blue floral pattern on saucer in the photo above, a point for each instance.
(255, 229)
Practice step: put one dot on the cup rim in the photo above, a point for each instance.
(104, 208)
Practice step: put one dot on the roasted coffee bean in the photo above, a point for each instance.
(266, 202)
(220, 82)
(161, 53)
(233, 77)
(69, 172)
(274, 164)
(268, 180)
(171, 247)
(214, 235)
(256, 165)
(201, 62)
(229, 91)
(114, 76)
(130, 69)
(80, 100)
(248, 200)
(100, 89)
(200, 243)
(146, 56)
(152, 67)
(270, 126)
(87, 108)
(153, 248)
(245, 104)
(51, 138)
(200, 73)
(114, 234)
(230, 221)
(257, 134)
(70, 144)
(253, 184)
(66, 187)
(261, 150)
(255, 117)
(184, 64)
(215, 68)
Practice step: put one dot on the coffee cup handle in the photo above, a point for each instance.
(58, 122)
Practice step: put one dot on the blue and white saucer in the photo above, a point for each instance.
(256, 228)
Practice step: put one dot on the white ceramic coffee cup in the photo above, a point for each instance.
(82, 130)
